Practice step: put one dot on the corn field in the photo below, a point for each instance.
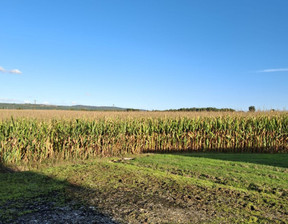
(28, 139)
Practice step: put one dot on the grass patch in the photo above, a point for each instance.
(25, 192)
(161, 188)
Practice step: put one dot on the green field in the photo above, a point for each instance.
(157, 188)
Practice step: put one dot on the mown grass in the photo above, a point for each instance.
(165, 188)
(256, 175)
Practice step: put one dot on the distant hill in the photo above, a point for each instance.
(95, 108)
(55, 107)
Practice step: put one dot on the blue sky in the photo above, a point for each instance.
(152, 54)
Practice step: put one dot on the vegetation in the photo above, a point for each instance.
(63, 160)
(156, 188)
(205, 109)
(36, 140)
(252, 109)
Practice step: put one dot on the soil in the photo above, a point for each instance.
(42, 211)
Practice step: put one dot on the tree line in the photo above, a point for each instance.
(204, 109)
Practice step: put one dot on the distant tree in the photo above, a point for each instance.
(131, 109)
(252, 109)
(203, 109)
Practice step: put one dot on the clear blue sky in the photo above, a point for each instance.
(149, 54)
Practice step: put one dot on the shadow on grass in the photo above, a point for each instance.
(277, 160)
(27, 196)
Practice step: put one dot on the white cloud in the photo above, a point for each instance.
(15, 71)
(275, 70)
(46, 103)
(27, 101)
